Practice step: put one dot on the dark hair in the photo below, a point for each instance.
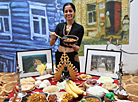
(125, 17)
(71, 4)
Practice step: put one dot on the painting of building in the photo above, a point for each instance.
(102, 19)
(24, 25)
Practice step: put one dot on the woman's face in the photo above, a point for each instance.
(69, 13)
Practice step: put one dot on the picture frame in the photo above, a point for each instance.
(27, 61)
(102, 62)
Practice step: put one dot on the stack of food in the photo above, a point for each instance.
(7, 83)
(42, 84)
(84, 77)
(27, 84)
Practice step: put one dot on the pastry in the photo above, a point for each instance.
(9, 86)
(28, 80)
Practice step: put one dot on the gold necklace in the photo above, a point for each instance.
(67, 29)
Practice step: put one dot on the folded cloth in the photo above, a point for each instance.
(110, 96)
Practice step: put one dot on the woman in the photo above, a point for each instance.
(70, 27)
(125, 28)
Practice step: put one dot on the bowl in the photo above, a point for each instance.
(95, 97)
(92, 82)
(71, 42)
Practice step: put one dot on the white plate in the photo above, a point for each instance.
(30, 90)
(44, 77)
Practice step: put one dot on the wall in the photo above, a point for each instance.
(130, 61)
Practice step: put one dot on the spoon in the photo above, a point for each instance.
(64, 37)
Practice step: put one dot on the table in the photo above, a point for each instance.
(53, 82)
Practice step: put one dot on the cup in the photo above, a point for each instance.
(49, 71)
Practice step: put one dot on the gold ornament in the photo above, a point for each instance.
(60, 67)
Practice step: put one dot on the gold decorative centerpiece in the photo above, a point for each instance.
(64, 61)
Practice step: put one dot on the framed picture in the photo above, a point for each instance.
(28, 61)
(102, 62)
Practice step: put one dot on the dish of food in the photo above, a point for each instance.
(52, 98)
(84, 77)
(97, 91)
(51, 89)
(37, 96)
(72, 39)
(103, 79)
(92, 99)
(92, 82)
(110, 86)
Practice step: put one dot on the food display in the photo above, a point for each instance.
(84, 77)
(37, 97)
(109, 86)
(84, 90)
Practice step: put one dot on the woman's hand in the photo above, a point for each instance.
(53, 35)
(53, 38)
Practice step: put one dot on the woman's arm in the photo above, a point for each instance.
(53, 38)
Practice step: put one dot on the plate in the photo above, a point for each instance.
(29, 90)
(24, 99)
(47, 76)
